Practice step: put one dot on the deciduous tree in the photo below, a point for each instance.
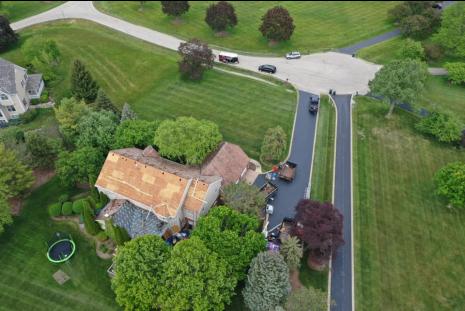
(5, 214)
(83, 85)
(450, 183)
(456, 72)
(233, 236)
(15, 177)
(135, 133)
(416, 19)
(451, 35)
(319, 226)
(68, 113)
(42, 149)
(412, 49)
(79, 166)
(244, 198)
(196, 58)
(220, 16)
(187, 140)
(97, 130)
(139, 269)
(195, 278)
(400, 81)
(274, 145)
(267, 284)
(175, 8)
(43, 54)
(277, 24)
(444, 127)
(7, 35)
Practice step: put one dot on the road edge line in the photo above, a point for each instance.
(332, 199)
(352, 200)
(309, 186)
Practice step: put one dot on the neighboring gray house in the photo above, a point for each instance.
(17, 88)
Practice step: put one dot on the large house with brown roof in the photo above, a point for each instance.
(153, 195)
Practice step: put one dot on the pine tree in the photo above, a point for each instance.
(127, 113)
(83, 85)
(104, 103)
(7, 35)
(117, 234)
(89, 223)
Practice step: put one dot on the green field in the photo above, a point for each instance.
(409, 245)
(319, 25)
(322, 172)
(17, 10)
(146, 76)
(387, 51)
(26, 274)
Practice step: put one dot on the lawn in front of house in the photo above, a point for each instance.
(146, 76)
(408, 244)
(26, 273)
(320, 25)
(18, 10)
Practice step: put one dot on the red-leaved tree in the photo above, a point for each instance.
(319, 226)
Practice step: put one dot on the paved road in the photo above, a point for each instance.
(315, 73)
(289, 193)
(342, 269)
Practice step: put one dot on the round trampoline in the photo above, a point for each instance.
(61, 248)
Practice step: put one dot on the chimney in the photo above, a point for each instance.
(149, 151)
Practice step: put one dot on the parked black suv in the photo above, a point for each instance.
(267, 68)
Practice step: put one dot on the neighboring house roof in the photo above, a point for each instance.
(33, 83)
(157, 184)
(228, 162)
(138, 221)
(7, 77)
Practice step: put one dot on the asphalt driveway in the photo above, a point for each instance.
(341, 269)
(289, 193)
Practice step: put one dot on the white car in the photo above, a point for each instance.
(293, 55)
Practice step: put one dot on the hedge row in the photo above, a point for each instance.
(66, 208)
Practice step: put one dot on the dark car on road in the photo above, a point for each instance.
(313, 105)
(267, 68)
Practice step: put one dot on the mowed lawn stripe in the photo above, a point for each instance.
(243, 108)
(408, 243)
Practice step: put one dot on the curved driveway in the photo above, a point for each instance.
(316, 73)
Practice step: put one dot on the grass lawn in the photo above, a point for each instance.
(26, 274)
(146, 76)
(441, 96)
(322, 175)
(408, 244)
(387, 51)
(18, 10)
(319, 25)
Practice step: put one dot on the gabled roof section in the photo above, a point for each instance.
(152, 182)
(7, 77)
(228, 162)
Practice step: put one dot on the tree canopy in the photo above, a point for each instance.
(68, 113)
(135, 133)
(102, 102)
(139, 269)
(15, 177)
(83, 85)
(412, 49)
(7, 35)
(195, 278)
(446, 128)
(175, 8)
(400, 81)
(43, 54)
(196, 58)
(80, 166)
(451, 35)
(456, 72)
(97, 130)
(42, 149)
(417, 19)
(450, 183)
(244, 198)
(277, 24)
(127, 113)
(274, 145)
(187, 140)
(5, 214)
(319, 226)
(292, 252)
(267, 284)
(220, 16)
(233, 236)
